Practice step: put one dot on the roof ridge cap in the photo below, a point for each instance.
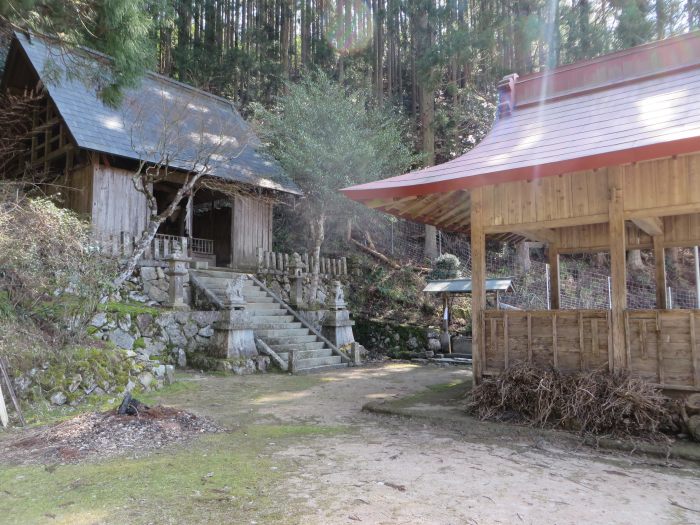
(659, 43)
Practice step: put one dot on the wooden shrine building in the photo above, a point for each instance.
(92, 151)
(600, 155)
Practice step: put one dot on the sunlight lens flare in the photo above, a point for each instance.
(350, 28)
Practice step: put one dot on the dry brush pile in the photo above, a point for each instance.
(596, 402)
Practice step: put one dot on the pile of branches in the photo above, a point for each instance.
(597, 402)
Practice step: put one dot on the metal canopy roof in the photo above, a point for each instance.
(638, 104)
(455, 286)
(194, 124)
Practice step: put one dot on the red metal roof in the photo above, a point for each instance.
(638, 104)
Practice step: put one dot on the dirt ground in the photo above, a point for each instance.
(366, 468)
(398, 471)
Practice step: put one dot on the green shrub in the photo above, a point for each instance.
(51, 268)
(447, 266)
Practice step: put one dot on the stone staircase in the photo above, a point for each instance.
(273, 323)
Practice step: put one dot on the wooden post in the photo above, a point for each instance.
(189, 216)
(478, 246)
(660, 266)
(618, 268)
(553, 259)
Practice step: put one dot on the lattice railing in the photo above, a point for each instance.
(123, 244)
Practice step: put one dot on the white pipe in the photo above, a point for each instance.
(697, 277)
(546, 275)
(609, 293)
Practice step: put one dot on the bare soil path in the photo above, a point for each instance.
(393, 470)
(348, 466)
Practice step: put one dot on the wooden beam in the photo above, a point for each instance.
(478, 245)
(553, 223)
(618, 267)
(649, 225)
(660, 268)
(388, 203)
(540, 235)
(664, 211)
(554, 292)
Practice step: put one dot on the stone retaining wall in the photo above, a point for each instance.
(396, 340)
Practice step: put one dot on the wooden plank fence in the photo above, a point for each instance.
(661, 346)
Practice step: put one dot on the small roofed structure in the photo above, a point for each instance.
(464, 286)
(458, 287)
(92, 151)
(600, 155)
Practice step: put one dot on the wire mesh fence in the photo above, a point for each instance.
(582, 285)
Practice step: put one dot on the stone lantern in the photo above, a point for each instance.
(178, 264)
(296, 278)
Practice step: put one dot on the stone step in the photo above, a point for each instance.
(283, 332)
(221, 284)
(265, 307)
(306, 354)
(314, 362)
(315, 369)
(260, 327)
(316, 345)
(267, 312)
(259, 301)
(289, 340)
(220, 273)
(262, 319)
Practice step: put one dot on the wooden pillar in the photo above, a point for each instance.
(660, 266)
(618, 268)
(478, 246)
(554, 292)
(189, 216)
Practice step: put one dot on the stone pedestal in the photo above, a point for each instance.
(178, 265)
(337, 326)
(233, 332)
(233, 336)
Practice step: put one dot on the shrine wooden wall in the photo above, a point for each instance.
(661, 345)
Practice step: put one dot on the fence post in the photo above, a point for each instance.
(697, 277)
(280, 262)
(546, 278)
(260, 258)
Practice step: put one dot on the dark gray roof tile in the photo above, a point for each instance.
(197, 127)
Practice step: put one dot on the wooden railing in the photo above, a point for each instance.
(661, 346)
(123, 244)
(271, 262)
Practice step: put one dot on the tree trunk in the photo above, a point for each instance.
(317, 226)
(522, 256)
(634, 260)
(430, 250)
(153, 224)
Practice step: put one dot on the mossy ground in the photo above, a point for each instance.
(130, 307)
(224, 478)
